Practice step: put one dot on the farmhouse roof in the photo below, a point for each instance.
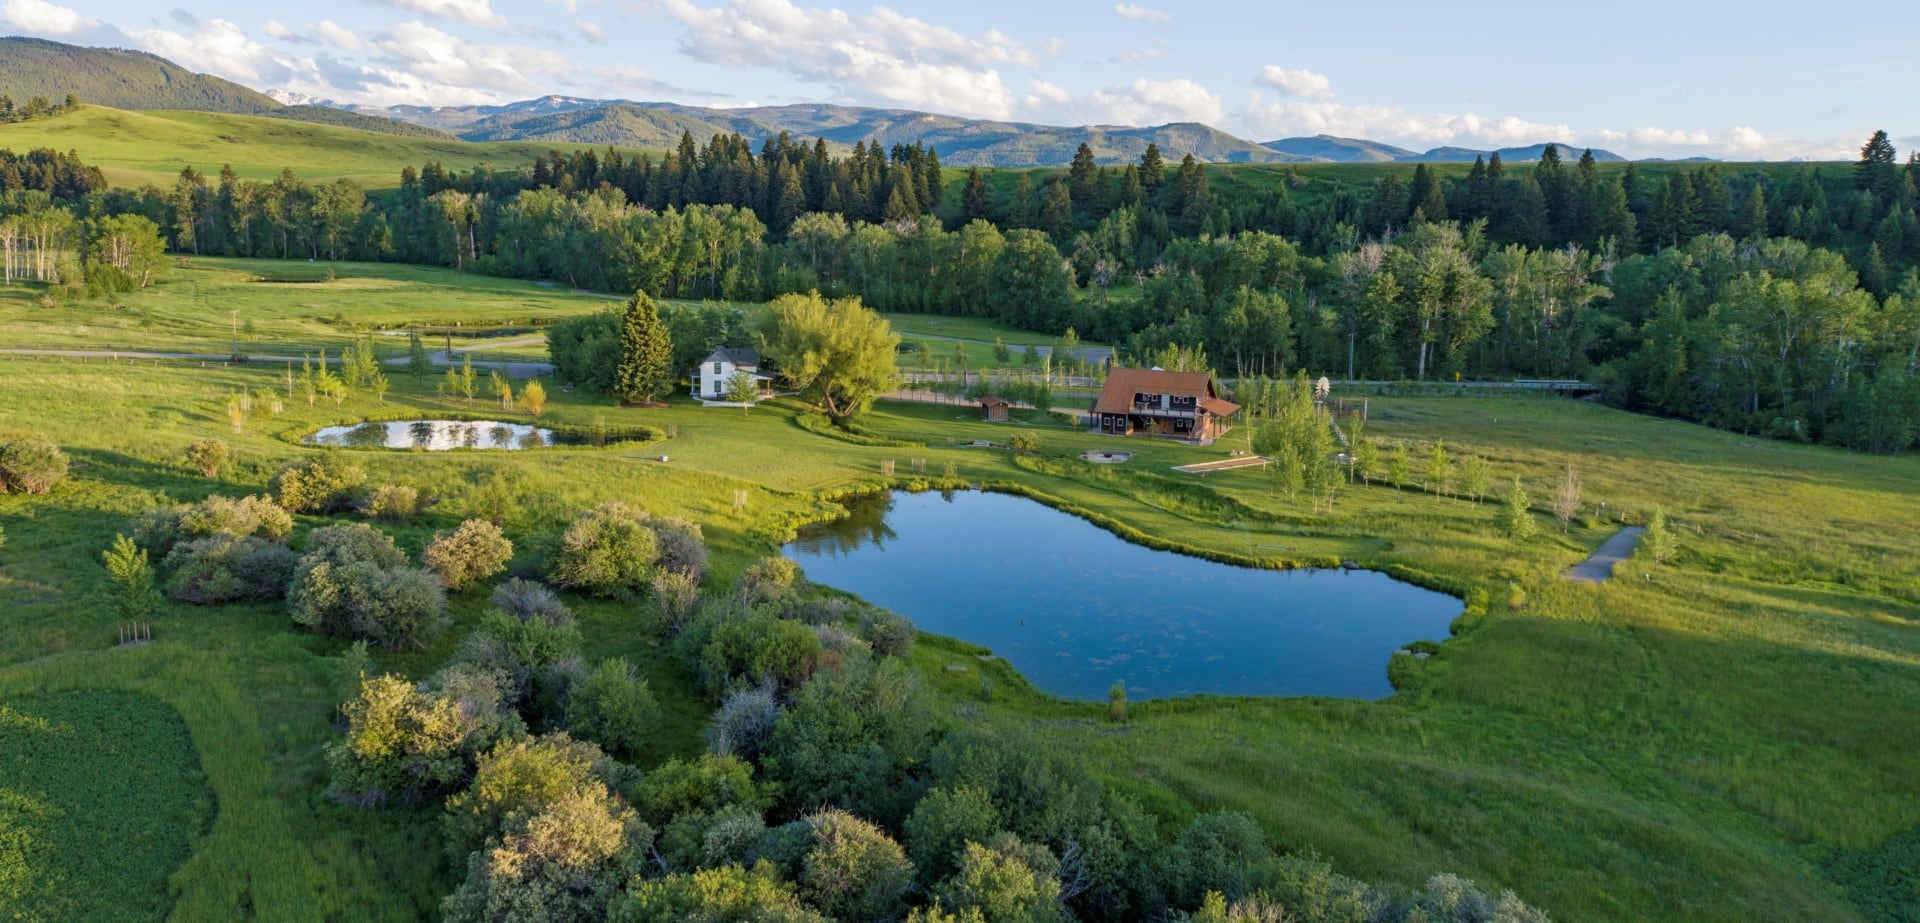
(1123, 384)
(739, 356)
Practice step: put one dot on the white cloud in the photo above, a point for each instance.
(336, 35)
(1041, 93)
(1155, 102)
(1055, 46)
(881, 55)
(416, 57)
(274, 28)
(1138, 13)
(216, 46)
(39, 17)
(590, 32)
(1304, 84)
(472, 12)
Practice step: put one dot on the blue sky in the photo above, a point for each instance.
(1756, 80)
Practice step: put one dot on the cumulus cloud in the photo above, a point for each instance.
(1138, 13)
(590, 32)
(1155, 102)
(276, 29)
(472, 12)
(1042, 93)
(1304, 84)
(38, 17)
(416, 55)
(881, 54)
(336, 35)
(216, 46)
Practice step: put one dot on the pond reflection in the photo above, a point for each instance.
(1075, 608)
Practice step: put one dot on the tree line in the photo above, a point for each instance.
(1765, 303)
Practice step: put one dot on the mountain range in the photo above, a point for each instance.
(136, 80)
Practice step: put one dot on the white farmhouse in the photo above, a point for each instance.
(710, 379)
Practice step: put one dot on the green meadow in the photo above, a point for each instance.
(1726, 737)
(137, 148)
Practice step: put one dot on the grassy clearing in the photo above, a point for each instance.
(284, 307)
(1730, 740)
(138, 148)
(86, 837)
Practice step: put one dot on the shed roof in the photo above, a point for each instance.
(1219, 407)
(994, 401)
(1123, 384)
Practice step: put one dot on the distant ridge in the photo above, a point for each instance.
(1531, 152)
(1341, 150)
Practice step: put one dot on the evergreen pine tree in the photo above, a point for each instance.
(646, 352)
(1080, 177)
(1152, 168)
(974, 203)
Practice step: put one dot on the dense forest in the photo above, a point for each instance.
(1780, 302)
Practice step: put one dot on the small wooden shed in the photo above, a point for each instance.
(994, 409)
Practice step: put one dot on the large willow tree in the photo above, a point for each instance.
(835, 351)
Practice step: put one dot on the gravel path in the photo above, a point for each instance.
(1598, 567)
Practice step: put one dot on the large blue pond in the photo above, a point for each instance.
(1075, 609)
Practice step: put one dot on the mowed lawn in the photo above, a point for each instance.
(1731, 739)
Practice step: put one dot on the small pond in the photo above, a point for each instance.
(1075, 608)
(440, 435)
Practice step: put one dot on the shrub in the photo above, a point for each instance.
(158, 530)
(516, 778)
(29, 465)
(475, 550)
(769, 581)
(401, 743)
(1216, 852)
(318, 485)
(1025, 443)
(853, 737)
(225, 568)
(729, 894)
(526, 599)
(891, 635)
(830, 610)
(682, 549)
(1005, 880)
(391, 503)
(687, 800)
(532, 643)
(208, 456)
(566, 861)
(353, 582)
(943, 823)
(743, 723)
(854, 871)
(607, 551)
(679, 597)
(612, 707)
(759, 649)
(256, 516)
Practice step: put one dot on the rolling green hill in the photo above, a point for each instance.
(134, 148)
(113, 77)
